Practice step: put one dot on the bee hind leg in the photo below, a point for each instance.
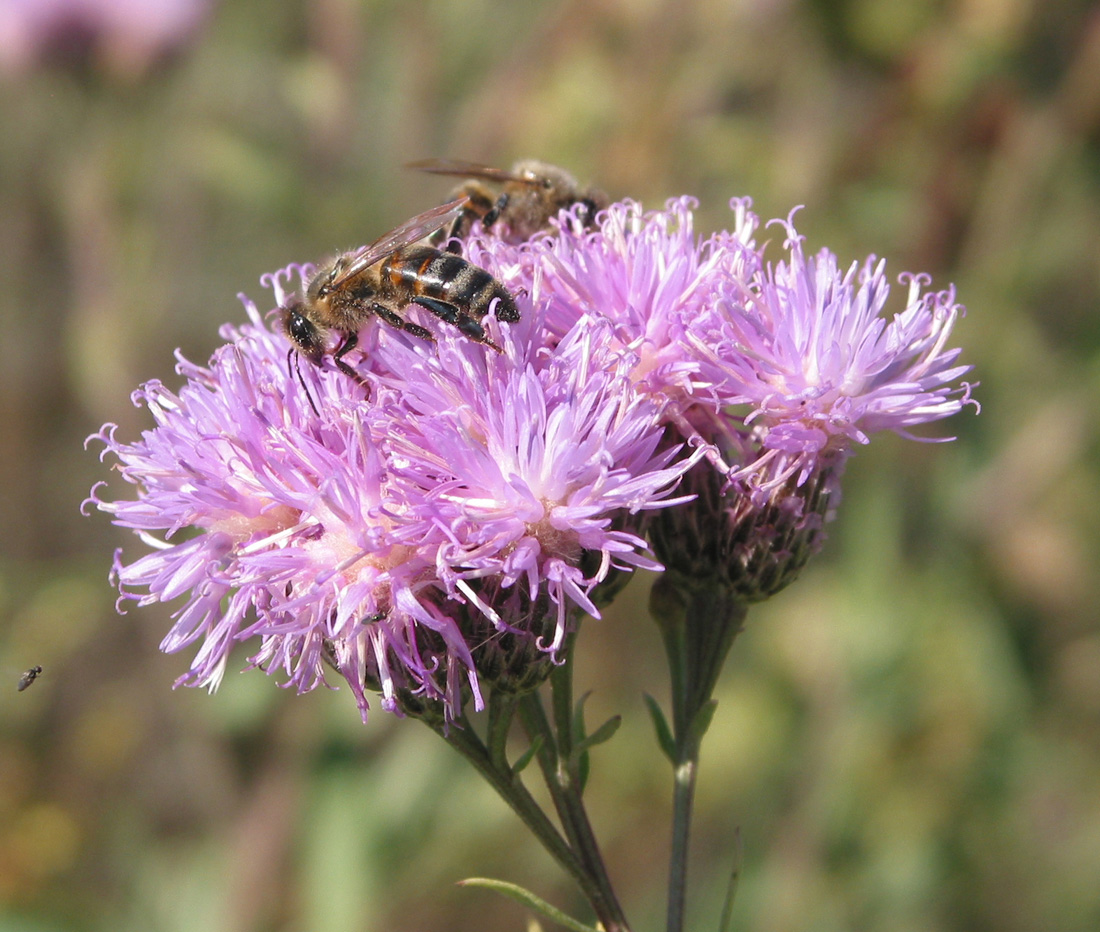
(479, 206)
(470, 327)
(495, 211)
(452, 240)
(395, 320)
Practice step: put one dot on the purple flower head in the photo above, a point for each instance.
(442, 525)
(301, 542)
(647, 274)
(805, 347)
(528, 464)
(469, 500)
(126, 35)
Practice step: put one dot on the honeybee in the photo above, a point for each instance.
(531, 194)
(384, 278)
(28, 677)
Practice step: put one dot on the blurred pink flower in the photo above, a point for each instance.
(125, 36)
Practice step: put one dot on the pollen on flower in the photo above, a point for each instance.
(264, 529)
(554, 539)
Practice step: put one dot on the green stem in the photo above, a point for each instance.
(683, 798)
(502, 709)
(461, 736)
(561, 697)
(562, 780)
(699, 624)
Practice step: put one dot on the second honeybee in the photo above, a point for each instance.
(531, 195)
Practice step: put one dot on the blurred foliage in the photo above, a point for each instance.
(908, 738)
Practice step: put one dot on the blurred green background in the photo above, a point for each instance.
(908, 738)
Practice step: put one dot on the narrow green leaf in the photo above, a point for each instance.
(579, 756)
(584, 765)
(660, 725)
(528, 899)
(579, 732)
(702, 720)
(600, 735)
(527, 756)
(726, 922)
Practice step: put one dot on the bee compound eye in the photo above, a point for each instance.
(300, 329)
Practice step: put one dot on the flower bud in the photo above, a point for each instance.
(753, 545)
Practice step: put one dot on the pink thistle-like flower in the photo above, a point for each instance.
(126, 35)
(804, 365)
(525, 462)
(443, 527)
(648, 274)
(367, 533)
(805, 346)
(301, 544)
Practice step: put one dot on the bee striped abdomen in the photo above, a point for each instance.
(425, 270)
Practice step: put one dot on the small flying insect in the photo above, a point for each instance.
(531, 195)
(383, 279)
(28, 677)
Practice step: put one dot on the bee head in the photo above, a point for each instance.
(306, 336)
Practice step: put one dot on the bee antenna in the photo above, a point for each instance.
(301, 379)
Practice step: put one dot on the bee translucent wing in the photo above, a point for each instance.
(409, 232)
(464, 169)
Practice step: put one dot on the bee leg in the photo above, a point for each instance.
(470, 326)
(407, 325)
(495, 211)
(479, 204)
(591, 208)
(350, 339)
(444, 310)
(460, 226)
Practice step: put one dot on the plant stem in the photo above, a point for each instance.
(461, 736)
(683, 798)
(562, 780)
(699, 624)
(575, 858)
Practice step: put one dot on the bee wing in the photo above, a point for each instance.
(464, 169)
(409, 232)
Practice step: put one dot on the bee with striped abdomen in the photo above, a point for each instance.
(384, 278)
